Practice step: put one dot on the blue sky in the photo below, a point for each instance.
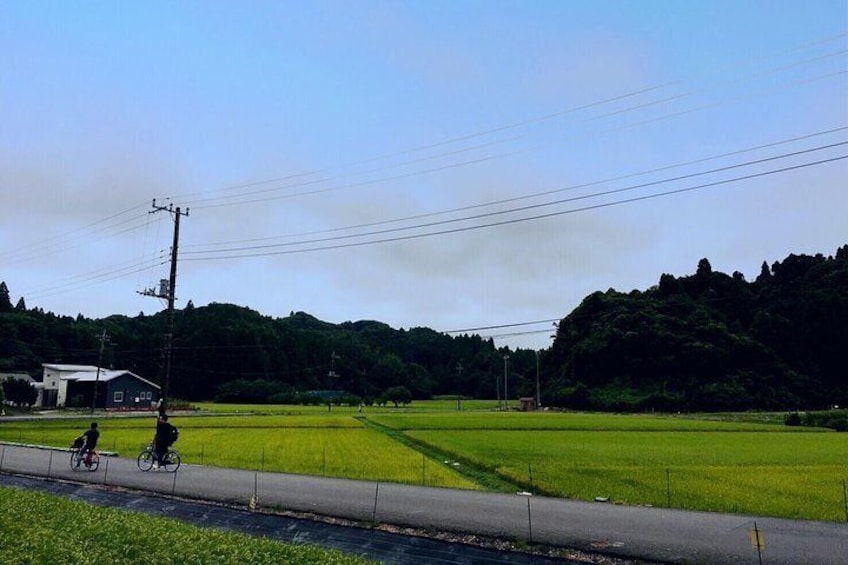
(348, 159)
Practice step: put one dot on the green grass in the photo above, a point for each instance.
(36, 528)
(795, 475)
(535, 421)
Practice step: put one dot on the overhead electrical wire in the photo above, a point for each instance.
(65, 241)
(502, 326)
(47, 243)
(26, 252)
(228, 252)
(98, 276)
(530, 218)
(527, 196)
(277, 193)
(512, 125)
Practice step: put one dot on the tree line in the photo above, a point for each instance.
(707, 341)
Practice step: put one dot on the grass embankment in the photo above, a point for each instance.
(36, 529)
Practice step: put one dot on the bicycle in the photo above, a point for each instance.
(91, 460)
(147, 459)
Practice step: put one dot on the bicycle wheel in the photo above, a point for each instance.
(172, 461)
(73, 462)
(94, 462)
(145, 460)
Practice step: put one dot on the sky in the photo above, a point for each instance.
(460, 165)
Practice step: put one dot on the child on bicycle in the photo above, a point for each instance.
(89, 437)
(163, 439)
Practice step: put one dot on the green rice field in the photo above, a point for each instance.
(314, 444)
(730, 464)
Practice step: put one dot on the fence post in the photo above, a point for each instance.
(49, 464)
(106, 470)
(2, 456)
(845, 497)
(374, 512)
(668, 487)
(530, 474)
(529, 520)
(254, 500)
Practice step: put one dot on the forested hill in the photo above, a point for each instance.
(222, 343)
(708, 341)
(711, 341)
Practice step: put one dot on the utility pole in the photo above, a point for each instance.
(498, 387)
(104, 337)
(506, 404)
(458, 392)
(169, 294)
(538, 395)
(332, 374)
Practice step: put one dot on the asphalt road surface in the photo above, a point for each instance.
(661, 535)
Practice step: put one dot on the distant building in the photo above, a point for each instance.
(527, 403)
(115, 389)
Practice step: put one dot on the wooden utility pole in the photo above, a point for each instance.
(104, 337)
(458, 385)
(169, 294)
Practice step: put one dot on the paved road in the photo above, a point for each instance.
(632, 532)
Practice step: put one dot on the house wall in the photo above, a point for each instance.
(52, 380)
(122, 391)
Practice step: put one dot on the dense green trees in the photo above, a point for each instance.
(18, 392)
(708, 341)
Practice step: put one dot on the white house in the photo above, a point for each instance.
(55, 388)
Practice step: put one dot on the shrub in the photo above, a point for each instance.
(792, 419)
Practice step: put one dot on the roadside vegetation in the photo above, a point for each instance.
(40, 529)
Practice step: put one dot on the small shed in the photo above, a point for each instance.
(527, 404)
(115, 390)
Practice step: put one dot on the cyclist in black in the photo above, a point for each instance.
(90, 437)
(163, 439)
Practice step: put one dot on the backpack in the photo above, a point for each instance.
(175, 434)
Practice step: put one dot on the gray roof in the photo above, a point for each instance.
(65, 368)
(105, 375)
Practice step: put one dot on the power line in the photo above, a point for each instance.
(66, 240)
(501, 326)
(532, 195)
(530, 218)
(21, 254)
(490, 214)
(272, 194)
